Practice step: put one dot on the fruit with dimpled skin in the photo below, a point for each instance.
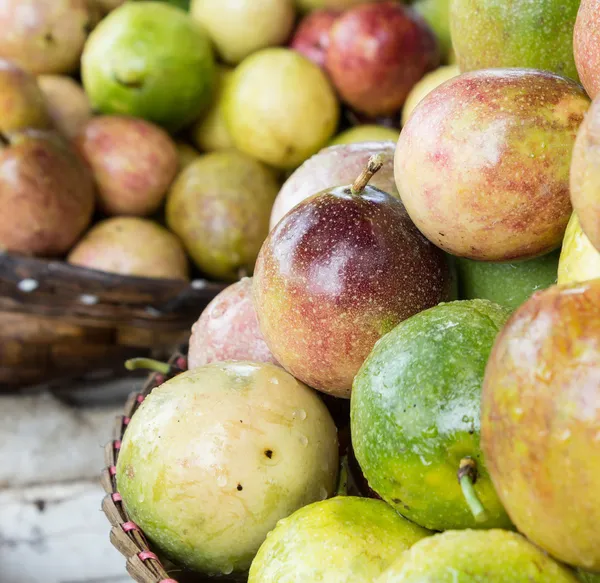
(342, 539)
(585, 175)
(331, 167)
(338, 272)
(415, 417)
(46, 194)
(239, 28)
(219, 206)
(540, 421)
(131, 246)
(494, 148)
(586, 45)
(133, 162)
(499, 34)
(131, 67)
(469, 556)
(376, 53)
(579, 259)
(366, 133)
(228, 329)
(219, 446)
(311, 37)
(280, 107)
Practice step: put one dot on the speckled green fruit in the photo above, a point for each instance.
(219, 206)
(341, 540)
(437, 15)
(366, 133)
(214, 457)
(131, 66)
(579, 259)
(415, 414)
(507, 284)
(475, 556)
(280, 107)
(514, 33)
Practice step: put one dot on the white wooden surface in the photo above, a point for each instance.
(51, 527)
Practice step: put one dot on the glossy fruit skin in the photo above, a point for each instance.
(44, 36)
(402, 48)
(492, 147)
(131, 246)
(239, 28)
(219, 206)
(579, 259)
(415, 414)
(540, 421)
(585, 175)
(280, 108)
(345, 538)
(311, 37)
(331, 167)
(475, 556)
(46, 194)
(507, 284)
(133, 162)
(334, 275)
(510, 33)
(228, 329)
(366, 133)
(586, 45)
(214, 457)
(131, 67)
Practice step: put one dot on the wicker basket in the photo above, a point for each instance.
(61, 321)
(143, 564)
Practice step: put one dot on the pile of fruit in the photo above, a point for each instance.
(407, 388)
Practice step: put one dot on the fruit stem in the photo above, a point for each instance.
(467, 476)
(149, 364)
(373, 165)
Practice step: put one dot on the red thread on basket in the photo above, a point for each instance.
(159, 379)
(145, 555)
(117, 444)
(181, 363)
(129, 526)
(140, 398)
(112, 470)
(168, 581)
(126, 420)
(116, 497)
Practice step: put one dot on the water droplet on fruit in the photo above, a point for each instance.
(227, 569)
(222, 481)
(28, 285)
(565, 435)
(299, 414)
(275, 380)
(518, 412)
(466, 419)
(323, 493)
(141, 499)
(304, 440)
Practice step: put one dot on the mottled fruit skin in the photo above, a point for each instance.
(586, 45)
(22, 104)
(437, 15)
(46, 194)
(585, 175)
(239, 28)
(507, 284)
(131, 246)
(131, 66)
(492, 149)
(280, 108)
(334, 166)
(228, 329)
(514, 33)
(579, 259)
(44, 36)
(219, 206)
(415, 414)
(475, 556)
(376, 53)
(540, 421)
(66, 102)
(338, 272)
(425, 86)
(213, 458)
(366, 133)
(311, 37)
(338, 540)
(133, 162)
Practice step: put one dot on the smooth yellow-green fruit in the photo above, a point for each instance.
(579, 259)
(280, 107)
(239, 28)
(425, 86)
(366, 133)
